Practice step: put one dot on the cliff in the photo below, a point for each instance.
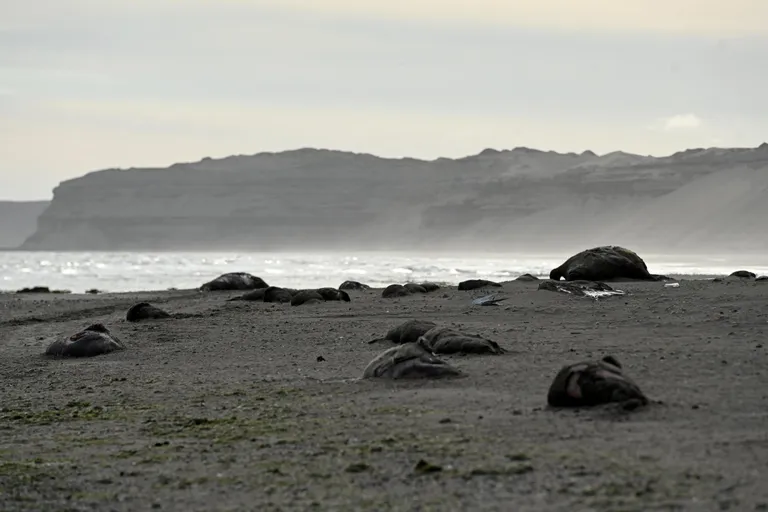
(520, 200)
(18, 220)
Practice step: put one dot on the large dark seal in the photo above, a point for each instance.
(408, 361)
(353, 285)
(607, 263)
(592, 383)
(744, 274)
(579, 288)
(475, 284)
(444, 340)
(333, 294)
(144, 311)
(395, 290)
(277, 294)
(407, 332)
(92, 341)
(234, 281)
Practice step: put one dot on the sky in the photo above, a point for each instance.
(91, 84)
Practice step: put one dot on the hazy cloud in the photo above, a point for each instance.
(682, 121)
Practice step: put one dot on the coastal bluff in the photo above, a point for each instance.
(519, 200)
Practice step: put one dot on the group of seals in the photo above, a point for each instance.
(403, 290)
(92, 341)
(440, 340)
(293, 296)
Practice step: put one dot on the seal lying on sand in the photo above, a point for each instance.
(593, 383)
(257, 295)
(579, 288)
(744, 274)
(277, 294)
(606, 263)
(144, 311)
(402, 290)
(234, 281)
(319, 295)
(527, 277)
(444, 340)
(408, 332)
(92, 341)
(408, 361)
(474, 284)
(353, 285)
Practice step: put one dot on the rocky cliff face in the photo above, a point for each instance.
(520, 200)
(18, 220)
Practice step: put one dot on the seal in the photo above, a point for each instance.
(590, 383)
(333, 294)
(605, 263)
(430, 286)
(144, 311)
(234, 281)
(407, 332)
(744, 274)
(353, 285)
(414, 288)
(474, 284)
(92, 341)
(304, 296)
(444, 340)
(277, 294)
(408, 361)
(527, 277)
(395, 290)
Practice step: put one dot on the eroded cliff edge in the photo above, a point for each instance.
(522, 200)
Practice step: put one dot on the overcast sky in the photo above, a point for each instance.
(91, 84)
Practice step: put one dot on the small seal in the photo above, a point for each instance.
(234, 281)
(592, 383)
(92, 341)
(407, 332)
(353, 285)
(474, 284)
(144, 311)
(408, 361)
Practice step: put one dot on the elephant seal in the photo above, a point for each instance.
(92, 341)
(257, 294)
(144, 311)
(333, 294)
(353, 285)
(408, 332)
(408, 361)
(579, 288)
(277, 294)
(414, 288)
(527, 277)
(395, 290)
(744, 274)
(592, 383)
(430, 286)
(474, 284)
(304, 296)
(606, 263)
(444, 340)
(234, 281)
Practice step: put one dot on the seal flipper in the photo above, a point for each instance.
(612, 360)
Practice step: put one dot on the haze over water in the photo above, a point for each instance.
(144, 271)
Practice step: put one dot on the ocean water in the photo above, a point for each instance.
(143, 271)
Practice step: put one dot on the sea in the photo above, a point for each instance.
(149, 271)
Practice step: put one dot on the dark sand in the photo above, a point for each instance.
(229, 409)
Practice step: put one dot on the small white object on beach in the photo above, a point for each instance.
(672, 285)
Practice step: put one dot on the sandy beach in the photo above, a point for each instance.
(256, 406)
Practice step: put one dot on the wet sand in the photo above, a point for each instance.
(227, 407)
